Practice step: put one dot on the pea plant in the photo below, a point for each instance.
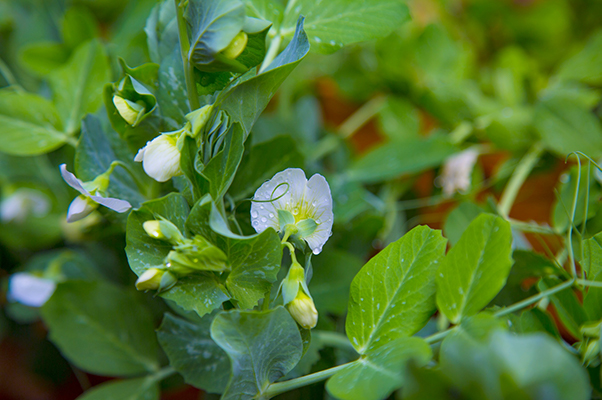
(248, 277)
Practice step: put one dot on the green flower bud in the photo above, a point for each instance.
(168, 280)
(131, 112)
(198, 118)
(150, 279)
(236, 46)
(303, 310)
(292, 283)
(163, 230)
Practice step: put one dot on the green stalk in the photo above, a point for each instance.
(364, 114)
(585, 282)
(277, 388)
(517, 179)
(533, 299)
(193, 97)
(333, 339)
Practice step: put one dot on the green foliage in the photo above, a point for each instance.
(102, 328)
(263, 347)
(129, 389)
(475, 269)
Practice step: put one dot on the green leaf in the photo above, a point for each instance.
(338, 23)
(262, 162)
(213, 25)
(568, 308)
(201, 293)
(129, 389)
(586, 65)
(532, 321)
(245, 101)
(30, 124)
(43, 57)
(95, 152)
(78, 85)
(193, 353)
(255, 260)
(566, 126)
(269, 10)
(221, 169)
(101, 328)
(509, 366)
(162, 31)
(592, 264)
(332, 295)
(262, 346)
(475, 269)
(393, 296)
(400, 157)
(171, 94)
(458, 220)
(380, 371)
(399, 119)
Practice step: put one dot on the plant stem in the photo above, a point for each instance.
(163, 373)
(8, 75)
(532, 227)
(272, 52)
(193, 97)
(333, 339)
(434, 338)
(517, 179)
(535, 298)
(585, 282)
(277, 388)
(364, 114)
(461, 132)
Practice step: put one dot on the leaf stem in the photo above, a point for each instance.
(585, 282)
(520, 174)
(364, 114)
(532, 227)
(333, 339)
(193, 97)
(535, 298)
(434, 338)
(8, 75)
(280, 387)
(163, 373)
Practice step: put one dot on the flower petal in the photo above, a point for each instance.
(72, 180)
(29, 289)
(80, 208)
(118, 205)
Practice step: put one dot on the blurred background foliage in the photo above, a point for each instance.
(378, 119)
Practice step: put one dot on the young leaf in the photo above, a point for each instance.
(380, 372)
(585, 66)
(162, 31)
(129, 389)
(268, 10)
(262, 346)
(193, 353)
(337, 23)
(475, 269)
(592, 264)
(30, 124)
(393, 295)
(78, 86)
(245, 101)
(101, 328)
(400, 157)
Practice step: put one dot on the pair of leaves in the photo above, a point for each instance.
(392, 297)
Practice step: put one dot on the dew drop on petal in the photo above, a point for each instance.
(254, 214)
(271, 215)
(261, 207)
(264, 219)
(255, 223)
(295, 211)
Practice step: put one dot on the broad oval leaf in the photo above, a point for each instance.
(193, 353)
(101, 328)
(380, 372)
(393, 295)
(30, 124)
(262, 346)
(475, 269)
(336, 23)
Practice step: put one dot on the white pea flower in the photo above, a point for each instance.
(29, 289)
(90, 196)
(160, 157)
(130, 111)
(22, 203)
(290, 200)
(457, 171)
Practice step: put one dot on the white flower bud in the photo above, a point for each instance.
(23, 203)
(161, 158)
(456, 172)
(29, 289)
(80, 208)
(162, 230)
(303, 310)
(131, 112)
(150, 279)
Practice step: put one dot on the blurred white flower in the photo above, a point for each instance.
(22, 203)
(160, 157)
(290, 199)
(90, 196)
(457, 172)
(29, 289)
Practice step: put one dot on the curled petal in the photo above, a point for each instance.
(29, 289)
(72, 180)
(80, 208)
(117, 205)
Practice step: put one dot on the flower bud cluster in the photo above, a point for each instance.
(187, 257)
(589, 347)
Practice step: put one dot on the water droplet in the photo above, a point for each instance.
(313, 203)
(254, 214)
(261, 207)
(255, 223)
(295, 211)
(317, 39)
(271, 215)
(264, 220)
